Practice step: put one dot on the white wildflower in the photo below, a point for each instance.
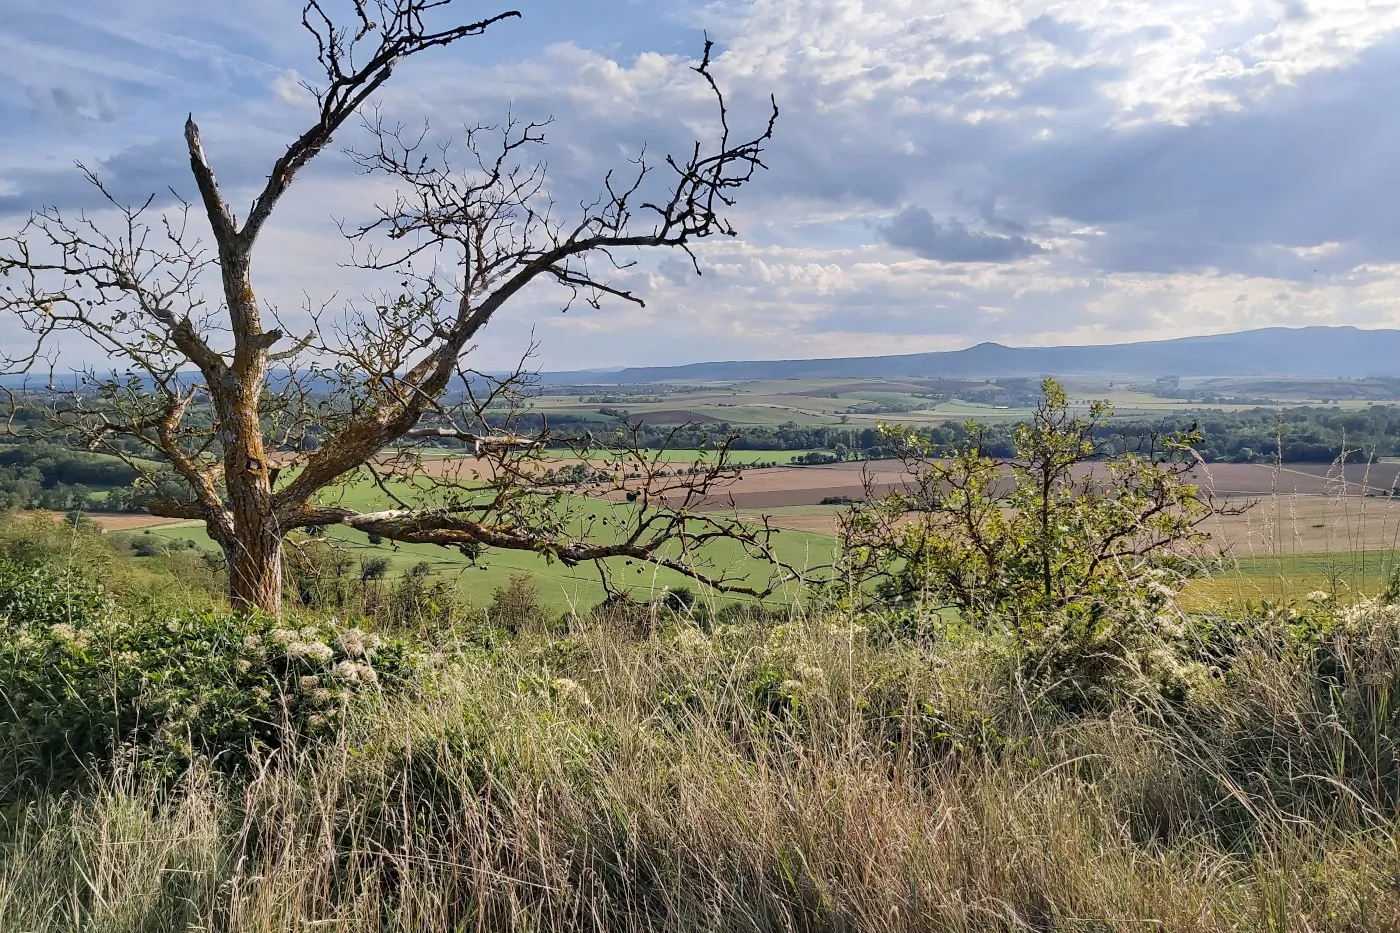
(251, 641)
(1319, 597)
(692, 640)
(569, 691)
(322, 696)
(352, 642)
(314, 650)
(347, 671)
(244, 666)
(309, 682)
(282, 636)
(70, 636)
(368, 675)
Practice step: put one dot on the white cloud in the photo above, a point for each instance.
(290, 88)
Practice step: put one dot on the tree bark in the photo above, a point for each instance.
(255, 571)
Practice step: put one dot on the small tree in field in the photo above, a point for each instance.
(1073, 528)
(258, 426)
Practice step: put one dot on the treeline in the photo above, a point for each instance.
(50, 476)
(1265, 435)
(1256, 435)
(1290, 435)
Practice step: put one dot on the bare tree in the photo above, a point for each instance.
(260, 427)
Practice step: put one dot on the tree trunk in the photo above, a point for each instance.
(255, 572)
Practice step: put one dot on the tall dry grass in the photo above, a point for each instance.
(809, 775)
(1281, 545)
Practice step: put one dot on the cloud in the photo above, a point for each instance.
(915, 230)
(290, 88)
(944, 171)
(73, 103)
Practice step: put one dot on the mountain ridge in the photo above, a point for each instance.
(1306, 352)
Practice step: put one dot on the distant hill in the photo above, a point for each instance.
(1318, 352)
(1302, 352)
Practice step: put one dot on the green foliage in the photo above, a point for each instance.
(1065, 528)
(83, 680)
(324, 576)
(679, 599)
(50, 476)
(738, 772)
(1077, 548)
(373, 568)
(515, 607)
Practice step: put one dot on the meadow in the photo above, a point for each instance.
(808, 769)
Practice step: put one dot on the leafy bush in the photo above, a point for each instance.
(679, 599)
(515, 607)
(81, 680)
(1076, 546)
(1068, 524)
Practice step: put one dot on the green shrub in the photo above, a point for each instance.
(515, 607)
(82, 680)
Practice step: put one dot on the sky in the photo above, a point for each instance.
(942, 173)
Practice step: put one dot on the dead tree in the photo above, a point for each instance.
(262, 427)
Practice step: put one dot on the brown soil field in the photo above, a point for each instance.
(1273, 526)
(1280, 525)
(779, 487)
(789, 486)
(107, 521)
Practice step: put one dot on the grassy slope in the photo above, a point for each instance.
(797, 777)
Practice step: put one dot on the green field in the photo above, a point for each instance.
(1346, 575)
(560, 587)
(813, 402)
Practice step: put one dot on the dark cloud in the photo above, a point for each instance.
(131, 176)
(71, 103)
(914, 229)
(1314, 164)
